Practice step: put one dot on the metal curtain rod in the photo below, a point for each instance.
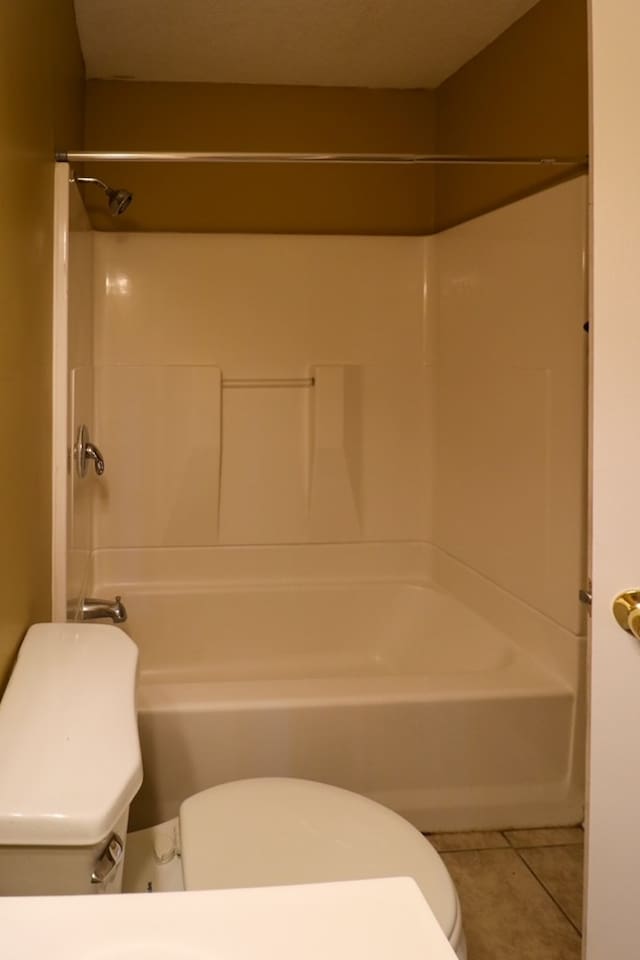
(381, 159)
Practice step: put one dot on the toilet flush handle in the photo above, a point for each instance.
(108, 860)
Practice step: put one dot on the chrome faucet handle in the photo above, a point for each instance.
(84, 451)
(92, 452)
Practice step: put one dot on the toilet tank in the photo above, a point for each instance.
(70, 760)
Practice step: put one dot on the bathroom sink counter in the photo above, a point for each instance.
(358, 920)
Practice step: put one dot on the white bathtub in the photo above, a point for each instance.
(305, 632)
(387, 685)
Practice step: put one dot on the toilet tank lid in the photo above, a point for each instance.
(69, 750)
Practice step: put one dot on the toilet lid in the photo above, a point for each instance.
(277, 831)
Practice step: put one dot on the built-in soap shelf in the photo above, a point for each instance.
(335, 449)
(187, 468)
(262, 383)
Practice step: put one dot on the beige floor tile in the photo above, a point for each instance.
(545, 837)
(507, 914)
(476, 840)
(559, 869)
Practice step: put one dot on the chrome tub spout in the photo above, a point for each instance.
(95, 609)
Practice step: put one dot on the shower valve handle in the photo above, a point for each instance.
(84, 451)
(92, 452)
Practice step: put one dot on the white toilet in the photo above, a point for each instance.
(70, 766)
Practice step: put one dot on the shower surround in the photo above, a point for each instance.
(344, 503)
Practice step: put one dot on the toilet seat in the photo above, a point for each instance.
(278, 831)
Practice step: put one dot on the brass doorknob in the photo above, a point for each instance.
(626, 610)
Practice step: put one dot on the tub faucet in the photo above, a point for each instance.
(95, 609)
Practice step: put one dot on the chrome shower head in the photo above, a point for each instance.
(118, 200)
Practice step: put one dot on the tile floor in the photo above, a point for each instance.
(521, 891)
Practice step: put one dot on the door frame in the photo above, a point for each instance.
(612, 917)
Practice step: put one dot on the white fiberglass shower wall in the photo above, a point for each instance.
(302, 431)
(73, 395)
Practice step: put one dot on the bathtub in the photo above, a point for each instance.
(387, 685)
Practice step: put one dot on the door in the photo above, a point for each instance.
(613, 801)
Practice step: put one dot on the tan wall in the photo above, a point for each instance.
(526, 93)
(246, 199)
(41, 73)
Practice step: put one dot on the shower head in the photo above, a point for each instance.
(118, 200)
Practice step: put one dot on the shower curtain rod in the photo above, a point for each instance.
(381, 159)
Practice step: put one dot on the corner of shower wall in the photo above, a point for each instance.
(511, 400)
(510, 498)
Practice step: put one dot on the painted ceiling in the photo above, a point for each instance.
(359, 43)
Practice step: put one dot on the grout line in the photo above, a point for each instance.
(509, 845)
(429, 836)
(545, 846)
(517, 851)
(547, 891)
(468, 849)
(541, 846)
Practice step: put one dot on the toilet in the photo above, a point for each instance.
(70, 766)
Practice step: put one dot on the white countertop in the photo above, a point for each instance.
(355, 920)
